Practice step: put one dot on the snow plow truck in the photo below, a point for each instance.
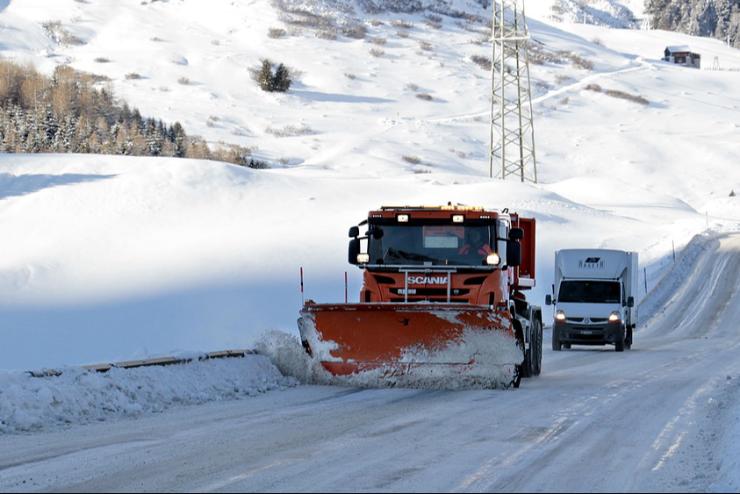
(442, 303)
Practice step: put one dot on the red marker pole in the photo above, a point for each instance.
(345, 287)
(302, 299)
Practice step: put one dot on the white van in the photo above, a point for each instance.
(594, 298)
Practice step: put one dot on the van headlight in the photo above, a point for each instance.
(560, 316)
(614, 317)
(493, 259)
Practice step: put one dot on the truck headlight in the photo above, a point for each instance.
(614, 317)
(363, 258)
(560, 316)
(493, 259)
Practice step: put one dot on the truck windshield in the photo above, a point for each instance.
(455, 245)
(590, 292)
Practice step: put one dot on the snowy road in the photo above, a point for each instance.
(647, 419)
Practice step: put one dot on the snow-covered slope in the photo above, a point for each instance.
(109, 257)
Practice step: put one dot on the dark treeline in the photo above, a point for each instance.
(67, 113)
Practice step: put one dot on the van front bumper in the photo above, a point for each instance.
(588, 334)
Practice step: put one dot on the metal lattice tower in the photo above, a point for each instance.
(512, 128)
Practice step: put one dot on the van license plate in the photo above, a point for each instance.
(586, 331)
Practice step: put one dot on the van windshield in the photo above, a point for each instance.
(590, 292)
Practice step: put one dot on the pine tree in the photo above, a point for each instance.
(264, 77)
(281, 81)
(180, 140)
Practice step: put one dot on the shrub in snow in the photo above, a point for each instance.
(184, 81)
(732, 193)
(378, 41)
(133, 75)
(59, 35)
(414, 160)
(425, 96)
(277, 81)
(291, 131)
(356, 31)
(635, 98)
(276, 33)
(376, 52)
(482, 62)
(102, 60)
(433, 21)
(402, 24)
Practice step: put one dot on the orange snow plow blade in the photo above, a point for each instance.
(426, 341)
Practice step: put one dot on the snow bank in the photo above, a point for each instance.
(656, 301)
(79, 396)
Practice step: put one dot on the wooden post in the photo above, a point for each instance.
(645, 271)
(302, 297)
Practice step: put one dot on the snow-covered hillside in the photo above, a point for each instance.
(110, 257)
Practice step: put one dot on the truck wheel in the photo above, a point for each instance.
(556, 345)
(619, 344)
(537, 342)
(526, 367)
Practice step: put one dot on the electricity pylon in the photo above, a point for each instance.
(512, 151)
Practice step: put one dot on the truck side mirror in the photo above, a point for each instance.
(353, 251)
(513, 253)
(548, 299)
(516, 234)
(354, 232)
(630, 302)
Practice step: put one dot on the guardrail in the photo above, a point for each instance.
(159, 361)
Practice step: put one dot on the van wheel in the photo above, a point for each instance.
(628, 340)
(556, 345)
(619, 344)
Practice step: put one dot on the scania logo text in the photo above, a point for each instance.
(427, 280)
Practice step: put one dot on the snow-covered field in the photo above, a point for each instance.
(113, 258)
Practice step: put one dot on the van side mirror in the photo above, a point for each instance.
(630, 302)
(548, 299)
(516, 234)
(353, 251)
(513, 253)
(354, 232)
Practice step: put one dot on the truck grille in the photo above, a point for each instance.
(431, 292)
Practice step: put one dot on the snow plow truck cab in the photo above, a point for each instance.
(443, 293)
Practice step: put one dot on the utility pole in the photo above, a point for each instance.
(512, 151)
